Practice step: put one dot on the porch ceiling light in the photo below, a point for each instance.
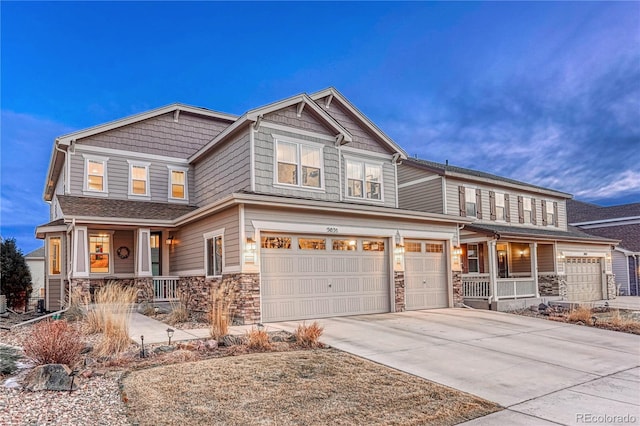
(169, 240)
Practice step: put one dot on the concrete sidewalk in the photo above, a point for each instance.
(155, 332)
(622, 302)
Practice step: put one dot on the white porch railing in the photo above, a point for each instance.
(165, 288)
(476, 286)
(513, 288)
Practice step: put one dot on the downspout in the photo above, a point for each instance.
(66, 165)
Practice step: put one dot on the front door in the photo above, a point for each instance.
(503, 261)
(156, 253)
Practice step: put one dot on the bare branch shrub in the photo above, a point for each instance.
(54, 342)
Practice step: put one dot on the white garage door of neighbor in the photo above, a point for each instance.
(584, 279)
(307, 277)
(425, 275)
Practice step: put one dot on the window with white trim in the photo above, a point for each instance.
(299, 164)
(526, 209)
(551, 217)
(99, 253)
(177, 183)
(95, 174)
(472, 258)
(213, 254)
(54, 256)
(470, 202)
(500, 209)
(138, 179)
(364, 180)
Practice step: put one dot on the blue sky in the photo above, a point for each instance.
(544, 92)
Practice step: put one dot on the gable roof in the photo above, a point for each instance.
(471, 174)
(334, 94)
(255, 115)
(629, 235)
(35, 254)
(581, 212)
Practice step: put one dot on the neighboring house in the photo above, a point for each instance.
(519, 244)
(621, 222)
(35, 262)
(294, 205)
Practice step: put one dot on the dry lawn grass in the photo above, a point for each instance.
(293, 388)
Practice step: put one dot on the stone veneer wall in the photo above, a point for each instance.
(612, 289)
(242, 289)
(398, 282)
(87, 286)
(458, 298)
(549, 285)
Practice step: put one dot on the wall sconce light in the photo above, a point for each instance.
(399, 249)
(250, 251)
(521, 253)
(169, 241)
(457, 251)
(170, 334)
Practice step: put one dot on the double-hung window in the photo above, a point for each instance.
(470, 202)
(95, 171)
(526, 209)
(551, 216)
(499, 206)
(177, 183)
(472, 258)
(54, 256)
(99, 253)
(138, 179)
(364, 180)
(213, 256)
(299, 164)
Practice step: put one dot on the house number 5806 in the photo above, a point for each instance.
(332, 229)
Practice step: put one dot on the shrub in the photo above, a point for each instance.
(308, 336)
(221, 311)
(581, 313)
(54, 342)
(8, 358)
(180, 310)
(110, 316)
(258, 340)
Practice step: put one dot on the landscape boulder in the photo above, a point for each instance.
(53, 377)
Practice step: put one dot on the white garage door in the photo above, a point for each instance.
(584, 279)
(317, 276)
(425, 275)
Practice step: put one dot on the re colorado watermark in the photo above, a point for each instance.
(605, 419)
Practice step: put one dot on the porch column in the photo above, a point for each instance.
(80, 252)
(493, 266)
(533, 248)
(143, 254)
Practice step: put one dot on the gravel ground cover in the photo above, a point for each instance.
(322, 386)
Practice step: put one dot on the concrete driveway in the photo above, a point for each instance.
(542, 371)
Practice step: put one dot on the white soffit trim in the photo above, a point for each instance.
(66, 139)
(331, 91)
(338, 230)
(603, 223)
(130, 154)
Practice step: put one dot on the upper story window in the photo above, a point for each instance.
(177, 183)
(99, 253)
(213, 253)
(54, 256)
(550, 213)
(364, 180)
(527, 210)
(138, 179)
(299, 164)
(95, 174)
(500, 209)
(470, 202)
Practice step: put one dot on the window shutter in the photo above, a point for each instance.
(463, 201)
(543, 205)
(492, 205)
(479, 203)
(520, 209)
(507, 208)
(534, 214)
(480, 258)
(555, 214)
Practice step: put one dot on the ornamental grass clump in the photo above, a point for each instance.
(110, 316)
(258, 340)
(581, 313)
(308, 336)
(54, 342)
(221, 311)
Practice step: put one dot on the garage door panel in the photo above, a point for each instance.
(584, 279)
(325, 282)
(426, 277)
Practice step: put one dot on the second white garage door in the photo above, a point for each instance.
(584, 279)
(305, 277)
(425, 275)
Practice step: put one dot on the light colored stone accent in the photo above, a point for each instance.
(612, 289)
(398, 282)
(458, 299)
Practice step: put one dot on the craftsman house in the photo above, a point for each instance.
(293, 204)
(621, 222)
(519, 245)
